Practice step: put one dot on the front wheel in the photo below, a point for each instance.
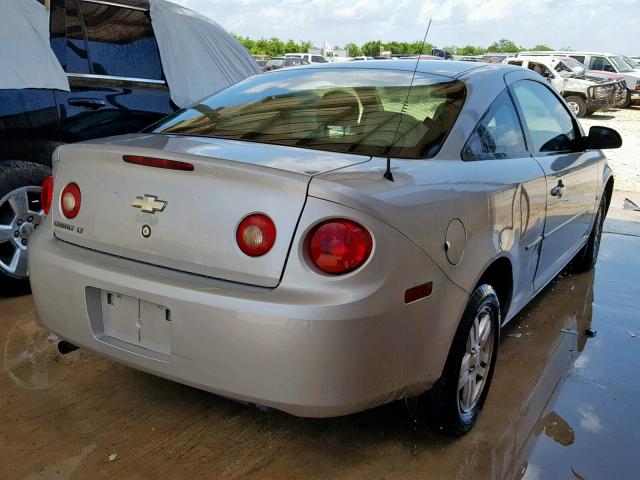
(587, 257)
(20, 215)
(455, 402)
(577, 105)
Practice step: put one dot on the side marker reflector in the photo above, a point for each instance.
(418, 292)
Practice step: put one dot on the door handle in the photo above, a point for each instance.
(558, 190)
(87, 103)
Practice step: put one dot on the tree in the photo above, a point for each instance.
(276, 47)
(372, 49)
(353, 50)
(471, 50)
(504, 46)
(541, 47)
(291, 47)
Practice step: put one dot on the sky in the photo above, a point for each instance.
(595, 25)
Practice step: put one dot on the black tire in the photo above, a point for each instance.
(441, 407)
(627, 102)
(577, 105)
(587, 257)
(15, 175)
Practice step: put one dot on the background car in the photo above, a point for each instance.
(372, 234)
(110, 95)
(309, 57)
(276, 63)
(583, 92)
(606, 62)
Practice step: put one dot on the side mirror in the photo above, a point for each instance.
(601, 138)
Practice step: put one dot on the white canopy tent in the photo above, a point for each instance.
(199, 58)
(29, 62)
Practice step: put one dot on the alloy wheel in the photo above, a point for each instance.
(476, 361)
(20, 215)
(574, 107)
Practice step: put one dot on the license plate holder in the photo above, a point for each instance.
(135, 321)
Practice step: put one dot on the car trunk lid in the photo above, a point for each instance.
(187, 220)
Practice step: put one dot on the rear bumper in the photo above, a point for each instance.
(309, 354)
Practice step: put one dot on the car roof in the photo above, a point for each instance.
(447, 68)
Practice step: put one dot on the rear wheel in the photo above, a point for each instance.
(20, 215)
(587, 257)
(577, 105)
(455, 402)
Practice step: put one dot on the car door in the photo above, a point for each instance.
(571, 175)
(113, 64)
(516, 193)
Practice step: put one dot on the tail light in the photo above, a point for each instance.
(339, 246)
(46, 194)
(158, 163)
(70, 201)
(256, 235)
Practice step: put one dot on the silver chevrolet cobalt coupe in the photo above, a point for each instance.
(326, 239)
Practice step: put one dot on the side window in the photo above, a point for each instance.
(76, 51)
(121, 41)
(601, 63)
(579, 58)
(498, 135)
(517, 63)
(545, 117)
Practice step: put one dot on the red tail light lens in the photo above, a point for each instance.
(46, 194)
(70, 201)
(256, 235)
(339, 246)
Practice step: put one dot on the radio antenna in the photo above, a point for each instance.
(387, 174)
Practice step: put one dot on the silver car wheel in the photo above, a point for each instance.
(597, 234)
(22, 214)
(476, 361)
(574, 107)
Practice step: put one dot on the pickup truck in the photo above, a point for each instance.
(583, 92)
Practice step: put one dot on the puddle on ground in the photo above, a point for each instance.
(31, 357)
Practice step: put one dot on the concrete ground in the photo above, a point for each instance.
(563, 405)
(623, 161)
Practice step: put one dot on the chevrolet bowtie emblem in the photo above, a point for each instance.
(149, 204)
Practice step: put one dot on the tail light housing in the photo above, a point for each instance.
(46, 194)
(339, 246)
(256, 234)
(70, 201)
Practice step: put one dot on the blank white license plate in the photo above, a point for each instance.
(136, 321)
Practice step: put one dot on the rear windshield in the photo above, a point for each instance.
(343, 110)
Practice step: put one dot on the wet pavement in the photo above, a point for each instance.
(564, 404)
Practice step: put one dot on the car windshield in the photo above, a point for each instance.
(631, 62)
(277, 62)
(347, 110)
(620, 64)
(570, 66)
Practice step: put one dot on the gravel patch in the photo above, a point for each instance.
(625, 162)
